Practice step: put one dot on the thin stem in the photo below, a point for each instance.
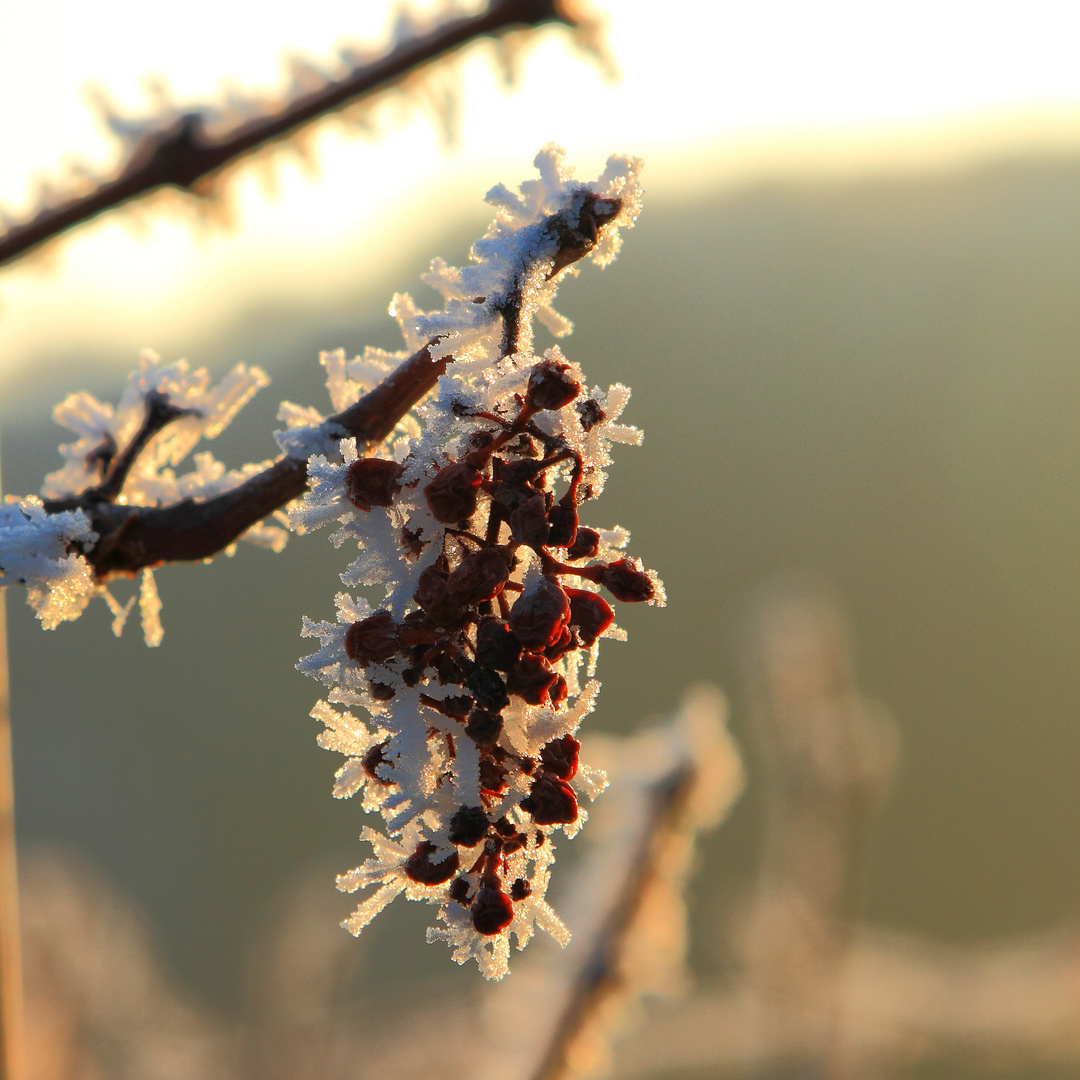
(12, 1046)
(183, 155)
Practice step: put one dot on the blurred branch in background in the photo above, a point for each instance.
(189, 149)
(101, 1006)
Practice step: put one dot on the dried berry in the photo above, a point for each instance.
(381, 691)
(371, 482)
(373, 639)
(590, 414)
(590, 613)
(371, 761)
(551, 386)
(520, 889)
(560, 757)
(459, 890)
(419, 865)
(585, 545)
(492, 911)
(496, 645)
(468, 826)
(488, 688)
(433, 595)
(518, 473)
(452, 493)
(479, 576)
(492, 776)
(551, 801)
(558, 692)
(529, 522)
(530, 679)
(539, 615)
(483, 727)
(627, 583)
(564, 525)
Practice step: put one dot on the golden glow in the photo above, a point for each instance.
(709, 94)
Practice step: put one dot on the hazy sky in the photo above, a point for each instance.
(708, 93)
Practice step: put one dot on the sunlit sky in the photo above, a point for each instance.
(709, 94)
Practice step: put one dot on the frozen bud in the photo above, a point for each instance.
(488, 688)
(484, 727)
(560, 757)
(496, 646)
(529, 522)
(492, 911)
(452, 494)
(590, 613)
(479, 576)
(433, 595)
(564, 525)
(627, 583)
(468, 826)
(520, 889)
(585, 545)
(373, 639)
(531, 679)
(539, 615)
(551, 386)
(420, 867)
(551, 801)
(590, 414)
(373, 482)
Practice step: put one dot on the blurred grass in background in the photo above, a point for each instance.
(877, 380)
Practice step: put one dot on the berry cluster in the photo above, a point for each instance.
(495, 599)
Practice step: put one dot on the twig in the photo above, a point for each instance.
(184, 156)
(133, 537)
(12, 1046)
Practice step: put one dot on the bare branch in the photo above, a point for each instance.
(184, 156)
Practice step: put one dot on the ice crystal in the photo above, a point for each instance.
(470, 668)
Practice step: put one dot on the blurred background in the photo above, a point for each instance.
(849, 317)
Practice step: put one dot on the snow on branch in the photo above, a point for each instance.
(189, 149)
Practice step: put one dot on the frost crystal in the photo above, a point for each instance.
(124, 456)
(471, 667)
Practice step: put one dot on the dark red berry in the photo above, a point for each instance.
(520, 889)
(529, 522)
(590, 414)
(558, 692)
(551, 801)
(483, 727)
(433, 595)
(564, 525)
(585, 545)
(551, 386)
(627, 583)
(420, 867)
(373, 482)
(488, 688)
(530, 679)
(492, 776)
(479, 576)
(459, 890)
(539, 615)
(451, 495)
(468, 826)
(560, 757)
(565, 643)
(372, 639)
(492, 911)
(518, 473)
(590, 613)
(496, 646)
